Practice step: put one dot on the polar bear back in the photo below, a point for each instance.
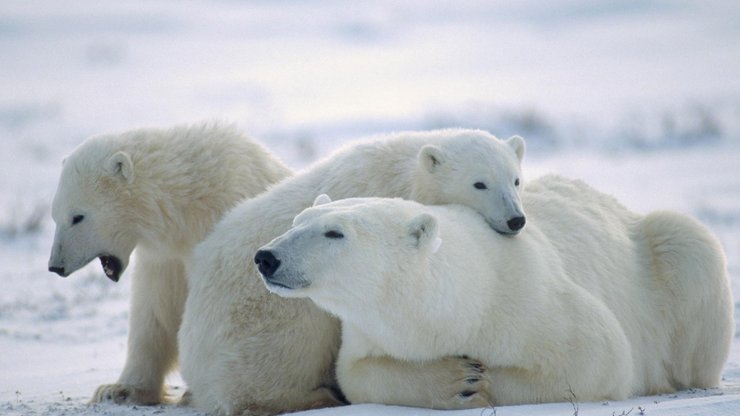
(656, 272)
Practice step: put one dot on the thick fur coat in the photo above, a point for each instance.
(593, 302)
(245, 350)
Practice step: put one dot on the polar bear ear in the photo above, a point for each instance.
(120, 165)
(517, 145)
(431, 157)
(321, 200)
(425, 232)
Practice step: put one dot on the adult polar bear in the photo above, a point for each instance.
(160, 191)
(243, 349)
(592, 301)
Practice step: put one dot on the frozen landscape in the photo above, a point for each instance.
(640, 99)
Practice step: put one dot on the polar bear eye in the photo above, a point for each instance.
(480, 185)
(516, 182)
(77, 219)
(333, 234)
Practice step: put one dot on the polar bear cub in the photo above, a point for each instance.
(159, 191)
(543, 329)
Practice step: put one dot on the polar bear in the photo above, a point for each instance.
(598, 303)
(242, 349)
(159, 191)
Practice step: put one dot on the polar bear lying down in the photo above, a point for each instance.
(592, 299)
(243, 350)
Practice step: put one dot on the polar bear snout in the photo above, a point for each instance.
(56, 260)
(283, 281)
(516, 224)
(58, 270)
(266, 263)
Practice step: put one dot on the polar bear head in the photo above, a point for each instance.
(475, 169)
(94, 210)
(361, 237)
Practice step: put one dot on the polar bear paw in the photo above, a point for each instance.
(469, 385)
(126, 394)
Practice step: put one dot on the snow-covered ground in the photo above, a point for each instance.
(639, 98)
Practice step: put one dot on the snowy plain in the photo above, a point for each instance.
(641, 99)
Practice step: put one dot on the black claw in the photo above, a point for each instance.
(467, 393)
(472, 380)
(477, 367)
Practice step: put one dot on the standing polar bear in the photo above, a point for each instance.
(243, 349)
(592, 301)
(159, 191)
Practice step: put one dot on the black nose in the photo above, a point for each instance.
(516, 223)
(57, 270)
(266, 262)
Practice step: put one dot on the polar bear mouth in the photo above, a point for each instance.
(112, 267)
(285, 287)
(289, 284)
(278, 285)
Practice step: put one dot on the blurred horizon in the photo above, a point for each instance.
(304, 76)
(649, 73)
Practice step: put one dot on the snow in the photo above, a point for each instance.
(640, 99)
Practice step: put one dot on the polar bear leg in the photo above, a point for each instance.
(446, 383)
(588, 357)
(158, 296)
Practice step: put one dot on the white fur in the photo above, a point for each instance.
(159, 191)
(242, 348)
(592, 299)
